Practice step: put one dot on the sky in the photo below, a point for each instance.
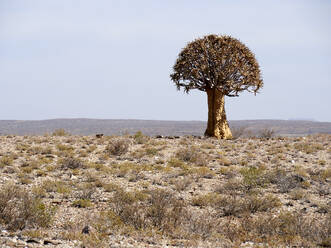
(111, 59)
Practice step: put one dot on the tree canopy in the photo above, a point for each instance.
(217, 62)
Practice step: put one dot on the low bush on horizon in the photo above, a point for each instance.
(60, 132)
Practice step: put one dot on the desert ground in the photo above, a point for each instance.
(62, 190)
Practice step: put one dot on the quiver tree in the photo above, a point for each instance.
(221, 66)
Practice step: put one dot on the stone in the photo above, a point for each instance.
(86, 230)
(51, 242)
(33, 240)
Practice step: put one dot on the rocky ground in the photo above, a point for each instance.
(136, 191)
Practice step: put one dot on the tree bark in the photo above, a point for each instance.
(217, 124)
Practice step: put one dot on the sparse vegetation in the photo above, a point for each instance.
(271, 191)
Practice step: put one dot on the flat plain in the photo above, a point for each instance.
(62, 190)
(85, 126)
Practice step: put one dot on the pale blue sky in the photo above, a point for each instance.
(112, 59)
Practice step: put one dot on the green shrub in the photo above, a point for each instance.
(253, 177)
(140, 138)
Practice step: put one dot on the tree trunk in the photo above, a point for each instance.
(217, 124)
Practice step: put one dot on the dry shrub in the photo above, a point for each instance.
(118, 146)
(6, 161)
(82, 203)
(154, 209)
(285, 181)
(20, 209)
(298, 194)
(71, 163)
(181, 184)
(107, 222)
(97, 224)
(254, 203)
(201, 224)
(146, 150)
(173, 162)
(236, 205)
(325, 174)
(127, 207)
(60, 132)
(110, 187)
(202, 159)
(202, 172)
(237, 132)
(192, 155)
(205, 200)
(230, 205)
(164, 210)
(266, 133)
(308, 147)
(233, 186)
(234, 232)
(140, 138)
(224, 161)
(188, 154)
(56, 186)
(289, 228)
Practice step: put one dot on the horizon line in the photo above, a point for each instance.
(138, 119)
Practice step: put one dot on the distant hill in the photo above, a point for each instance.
(155, 127)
